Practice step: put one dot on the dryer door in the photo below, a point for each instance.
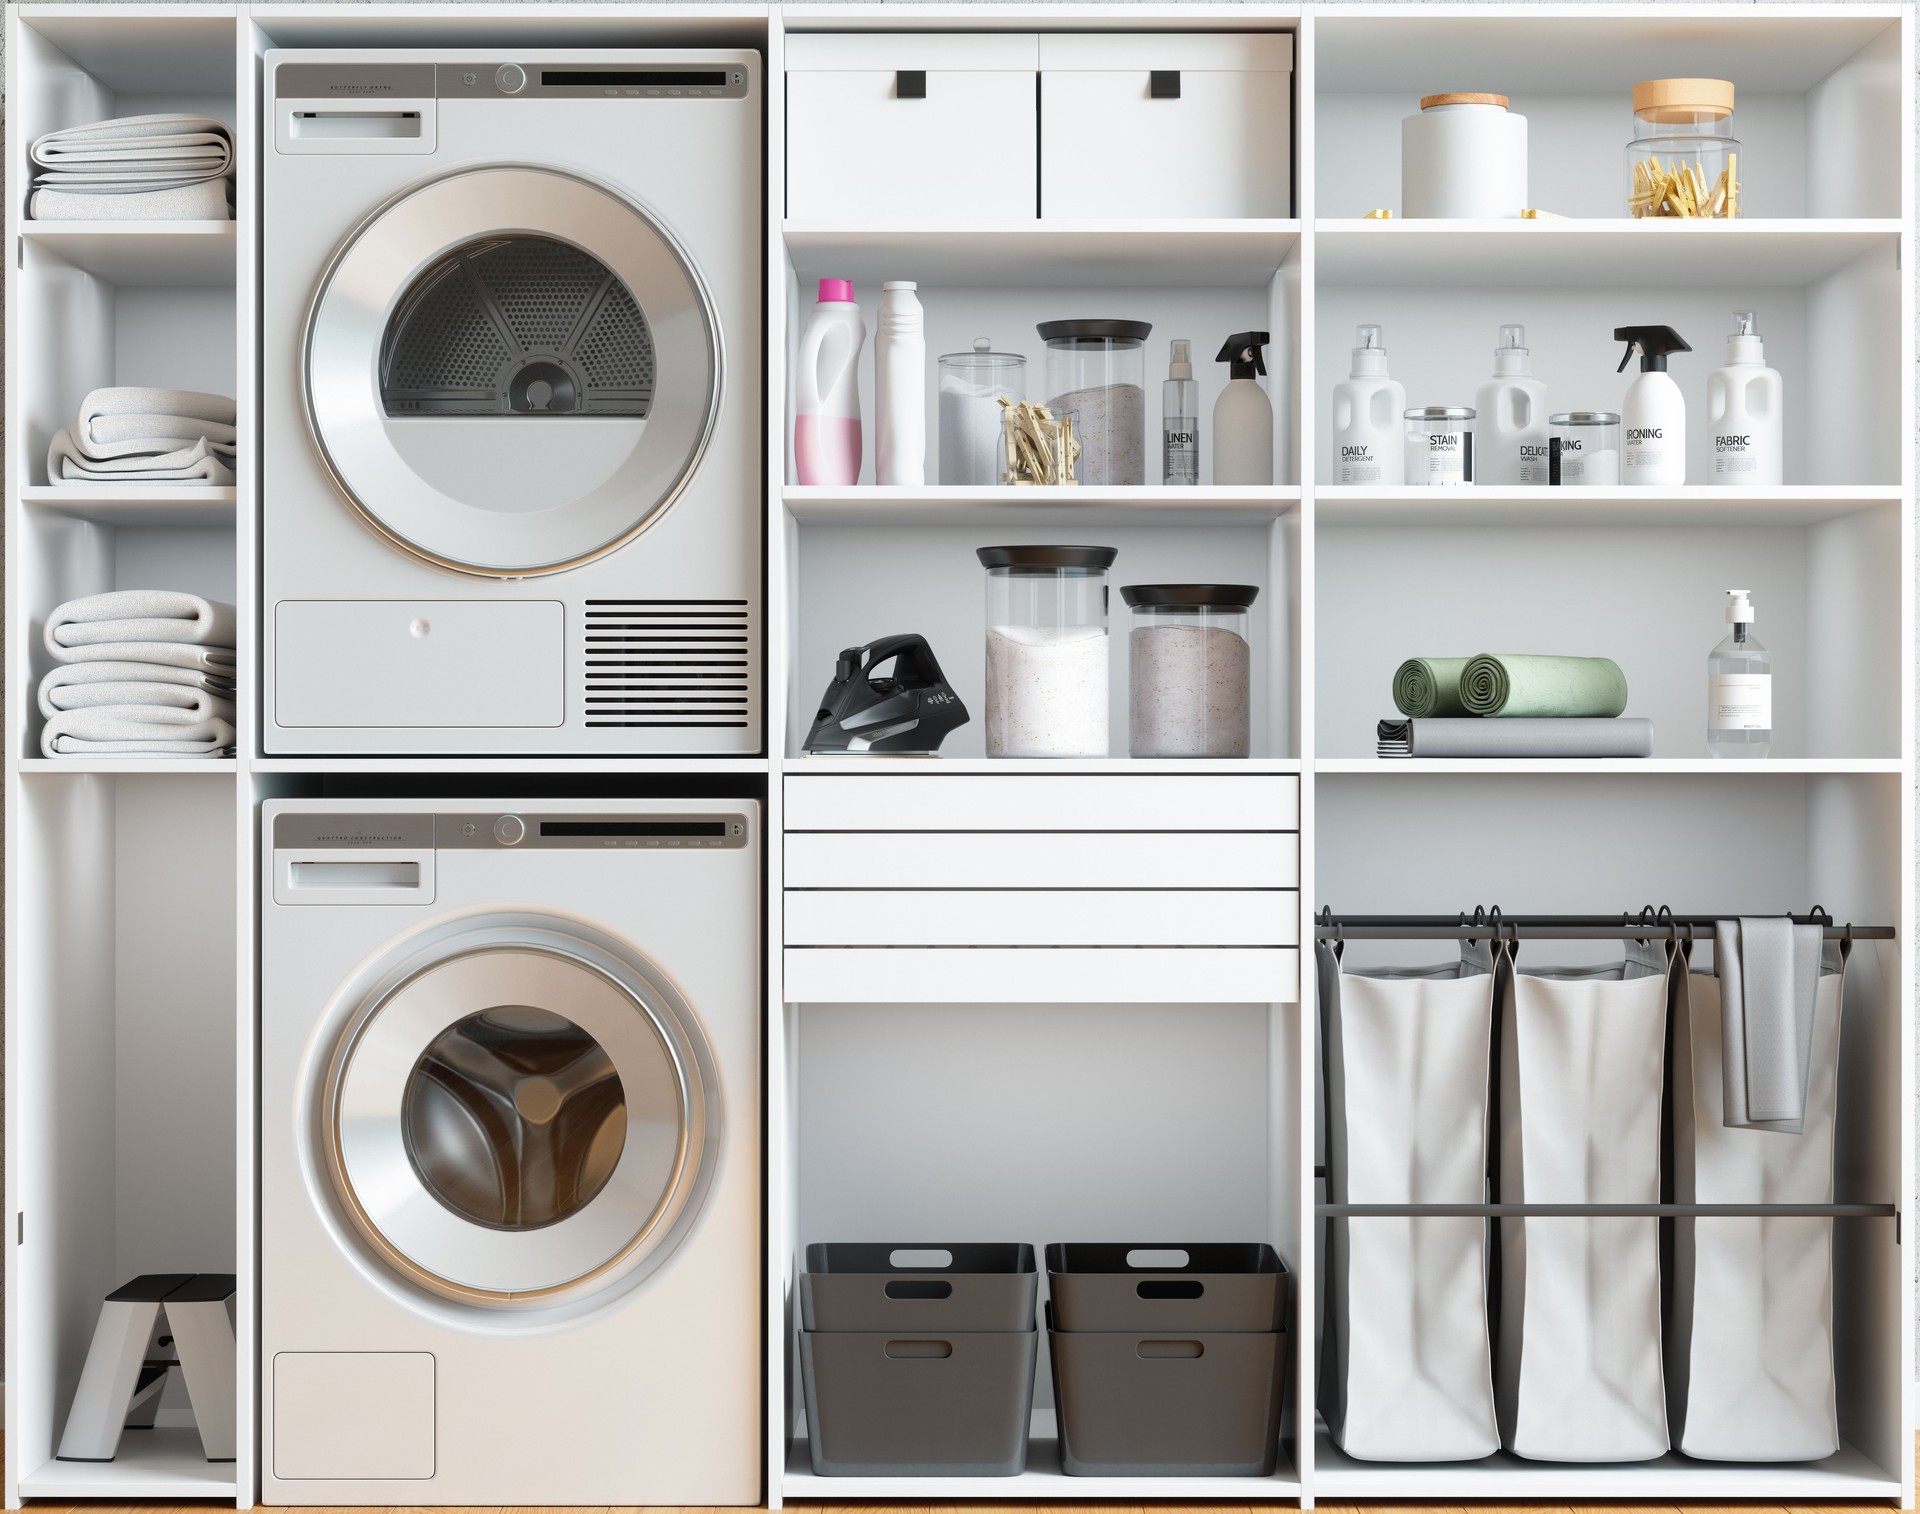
(521, 1120)
(511, 370)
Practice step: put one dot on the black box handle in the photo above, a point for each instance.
(910, 84)
(1164, 84)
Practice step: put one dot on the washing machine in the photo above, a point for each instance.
(510, 1153)
(513, 471)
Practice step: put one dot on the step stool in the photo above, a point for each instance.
(121, 1383)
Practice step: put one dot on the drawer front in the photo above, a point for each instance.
(879, 859)
(1222, 148)
(1017, 802)
(965, 149)
(1067, 975)
(1042, 917)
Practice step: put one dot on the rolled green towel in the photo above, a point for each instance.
(1509, 684)
(1427, 686)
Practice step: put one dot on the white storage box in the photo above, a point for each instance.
(892, 127)
(1148, 125)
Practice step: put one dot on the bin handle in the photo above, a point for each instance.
(1169, 1287)
(918, 1287)
(1169, 1351)
(900, 1351)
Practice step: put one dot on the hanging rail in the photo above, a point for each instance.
(1621, 927)
(1609, 1211)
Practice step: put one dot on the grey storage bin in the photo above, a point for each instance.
(882, 1405)
(1136, 1404)
(1217, 1287)
(850, 1286)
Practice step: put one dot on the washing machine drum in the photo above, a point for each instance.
(511, 370)
(521, 1118)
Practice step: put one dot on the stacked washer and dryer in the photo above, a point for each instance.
(510, 1051)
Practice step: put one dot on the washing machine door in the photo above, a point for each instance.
(521, 1119)
(511, 370)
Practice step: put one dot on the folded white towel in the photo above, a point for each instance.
(121, 435)
(143, 694)
(70, 685)
(197, 464)
(162, 616)
(206, 200)
(131, 137)
(129, 178)
(218, 662)
(136, 730)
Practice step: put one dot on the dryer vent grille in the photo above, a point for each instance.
(669, 662)
(517, 325)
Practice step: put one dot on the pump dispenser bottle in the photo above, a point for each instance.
(1512, 442)
(1740, 687)
(1180, 418)
(1655, 447)
(1744, 403)
(1367, 406)
(1243, 415)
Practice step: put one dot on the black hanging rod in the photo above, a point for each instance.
(1484, 923)
(1607, 1211)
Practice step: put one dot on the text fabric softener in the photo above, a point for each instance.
(1367, 406)
(1745, 401)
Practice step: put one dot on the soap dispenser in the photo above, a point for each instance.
(1655, 446)
(1740, 686)
(1368, 447)
(1744, 401)
(1513, 440)
(1243, 415)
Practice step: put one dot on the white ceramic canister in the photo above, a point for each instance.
(1439, 440)
(1463, 157)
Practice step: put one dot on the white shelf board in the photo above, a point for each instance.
(144, 254)
(1844, 1476)
(937, 505)
(1563, 766)
(1043, 1481)
(667, 765)
(189, 46)
(1516, 505)
(1047, 254)
(1621, 253)
(801, 766)
(135, 504)
(171, 766)
(166, 1462)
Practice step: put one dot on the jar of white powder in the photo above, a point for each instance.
(1046, 650)
(1098, 369)
(1190, 659)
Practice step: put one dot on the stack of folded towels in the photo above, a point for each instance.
(137, 673)
(138, 168)
(146, 436)
(1508, 705)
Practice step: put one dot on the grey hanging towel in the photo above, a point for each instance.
(1769, 971)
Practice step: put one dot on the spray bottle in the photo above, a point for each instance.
(1180, 418)
(1243, 415)
(1655, 446)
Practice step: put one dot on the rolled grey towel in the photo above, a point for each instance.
(1769, 971)
(158, 616)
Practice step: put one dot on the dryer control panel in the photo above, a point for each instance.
(495, 830)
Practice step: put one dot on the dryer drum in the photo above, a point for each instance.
(517, 325)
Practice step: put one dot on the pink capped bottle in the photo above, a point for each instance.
(826, 401)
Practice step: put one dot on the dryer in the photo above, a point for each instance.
(510, 1153)
(512, 403)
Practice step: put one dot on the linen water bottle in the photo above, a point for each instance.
(1744, 403)
(1367, 406)
(900, 387)
(1513, 442)
(826, 406)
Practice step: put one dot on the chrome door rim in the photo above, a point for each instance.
(632, 258)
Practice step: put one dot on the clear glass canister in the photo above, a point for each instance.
(1684, 160)
(971, 384)
(1440, 444)
(1046, 650)
(1584, 448)
(1098, 369)
(1190, 667)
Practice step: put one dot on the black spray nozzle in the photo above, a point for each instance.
(1242, 349)
(1653, 343)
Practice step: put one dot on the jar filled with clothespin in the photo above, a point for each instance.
(1684, 160)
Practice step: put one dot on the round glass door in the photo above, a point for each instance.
(510, 371)
(520, 1121)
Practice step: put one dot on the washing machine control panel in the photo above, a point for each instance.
(492, 831)
(592, 79)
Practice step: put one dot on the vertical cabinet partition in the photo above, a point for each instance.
(1073, 1000)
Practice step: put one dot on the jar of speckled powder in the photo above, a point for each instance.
(1190, 667)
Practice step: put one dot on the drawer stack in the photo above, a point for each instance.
(1115, 889)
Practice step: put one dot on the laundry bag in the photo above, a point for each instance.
(1407, 1372)
(1578, 1375)
(1750, 1355)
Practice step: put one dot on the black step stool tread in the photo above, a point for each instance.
(205, 1288)
(150, 1288)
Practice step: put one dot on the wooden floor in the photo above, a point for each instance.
(103, 1507)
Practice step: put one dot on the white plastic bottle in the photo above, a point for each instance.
(1654, 449)
(1746, 402)
(1740, 687)
(1512, 437)
(1243, 415)
(826, 397)
(900, 387)
(1367, 406)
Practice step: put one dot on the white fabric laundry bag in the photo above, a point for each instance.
(1581, 1052)
(1750, 1355)
(1407, 1372)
